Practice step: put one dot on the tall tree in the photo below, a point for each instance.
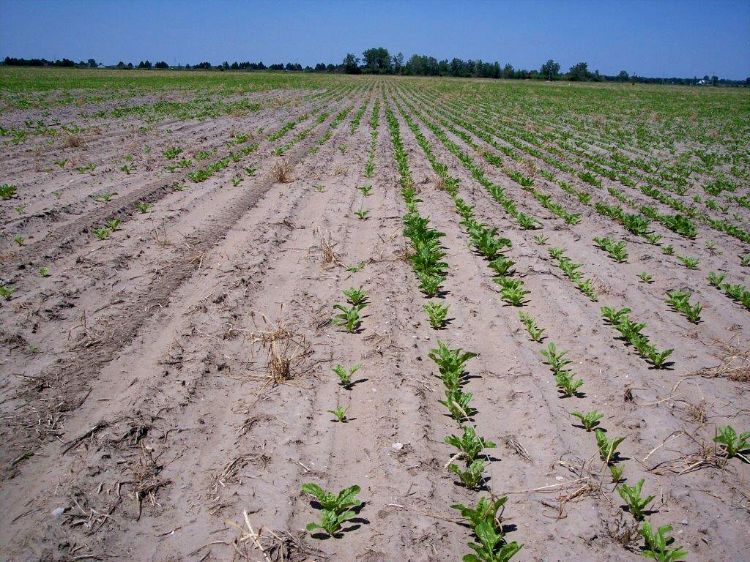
(579, 72)
(550, 70)
(351, 64)
(398, 63)
(377, 60)
(508, 71)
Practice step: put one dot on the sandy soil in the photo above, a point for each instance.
(139, 418)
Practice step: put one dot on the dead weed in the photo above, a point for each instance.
(285, 349)
(281, 172)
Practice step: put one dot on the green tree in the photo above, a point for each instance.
(351, 64)
(579, 72)
(398, 63)
(508, 71)
(377, 60)
(550, 70)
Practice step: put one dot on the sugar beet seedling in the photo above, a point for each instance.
(335, 508)
(535, 332)
(632, 496)
(436, 314)
(734, 445)
(348, 317)
(356, 296)
(658, 545)
(589, 420)
(458, 403)
(339, 413)
(472, 476)
(469, 444)
(485, 522)
(345, 375)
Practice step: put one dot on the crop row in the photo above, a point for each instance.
(650, 185)
(374, 126)
(483, 518)
(679, 223)
(338, 508)
(527, 183)
(616, 250)
(514, 293)
(657, 543)
(335, 122)
(499, 194)
(105, 230)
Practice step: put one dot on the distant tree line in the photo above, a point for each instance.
(379, 60)
(10, 61)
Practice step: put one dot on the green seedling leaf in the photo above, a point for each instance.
(734, 445)
(566, 384)
(690, 263)
(345, 375)
(535, 332)
(614, 316)
(472, 477)
(356, 267)
(485, 511)
(102, 233)
(144, 207)
(616, 471)
(339, 413)
(457, 403)
(450, 362)
(555, 359)
(502, 266)
(330, 522)
(436, 314)
(355, 296)
(338, 503)
(658, 544)
(716, 279)
(491, 546)
(429, 284)
(632, 497)
(607, 448)
(6, 291)
(469, 445)
(8, 191)
(348, 317)
(646, 277)
(589, 420)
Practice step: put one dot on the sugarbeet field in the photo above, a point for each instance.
(283, 316)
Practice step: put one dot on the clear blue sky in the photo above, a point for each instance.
(647, 37)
